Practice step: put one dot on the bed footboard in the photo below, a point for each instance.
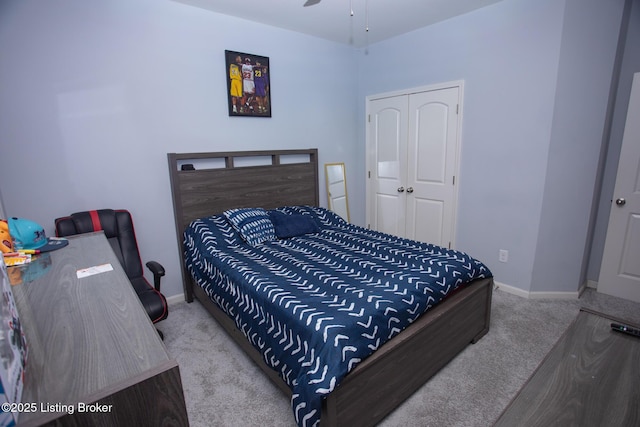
(398, 368)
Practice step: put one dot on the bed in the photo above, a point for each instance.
(209, 188)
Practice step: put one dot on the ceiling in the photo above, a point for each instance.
(332, 19)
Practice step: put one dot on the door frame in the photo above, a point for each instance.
(370, 152)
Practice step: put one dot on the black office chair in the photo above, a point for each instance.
(118, 229)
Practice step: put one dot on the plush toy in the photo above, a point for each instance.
(6, 243)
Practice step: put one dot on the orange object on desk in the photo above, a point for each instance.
(6, 242)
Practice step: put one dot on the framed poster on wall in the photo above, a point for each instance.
(248, 84)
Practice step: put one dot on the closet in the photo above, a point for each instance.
(412, 162)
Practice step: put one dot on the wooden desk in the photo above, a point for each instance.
(90, 341)
(590, 378)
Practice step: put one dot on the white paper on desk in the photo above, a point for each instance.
(90, 271)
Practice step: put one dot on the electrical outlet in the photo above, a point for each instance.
(503, 255)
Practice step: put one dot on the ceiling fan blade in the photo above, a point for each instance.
(311, 2)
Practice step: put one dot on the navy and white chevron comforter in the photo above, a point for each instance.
(317, 304)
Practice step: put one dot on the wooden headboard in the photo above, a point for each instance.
(204, 184)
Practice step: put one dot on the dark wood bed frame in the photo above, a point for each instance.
(205, 184)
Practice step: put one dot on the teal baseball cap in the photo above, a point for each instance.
(29, 235)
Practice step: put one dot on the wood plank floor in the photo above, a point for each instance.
(591, 377)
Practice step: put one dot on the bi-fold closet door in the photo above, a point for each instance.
(412, 163)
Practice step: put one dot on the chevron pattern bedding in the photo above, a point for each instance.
(317, 304)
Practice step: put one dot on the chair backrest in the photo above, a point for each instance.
(117, 226)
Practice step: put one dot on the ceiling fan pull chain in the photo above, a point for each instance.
(366, 15)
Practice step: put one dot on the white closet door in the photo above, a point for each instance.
(388, 150)
(431, 167)
(412, 157)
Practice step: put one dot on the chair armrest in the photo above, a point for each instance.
(158, 271)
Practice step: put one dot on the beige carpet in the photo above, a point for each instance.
(225, 388)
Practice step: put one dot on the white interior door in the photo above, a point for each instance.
(388, 158)
(431, 168)
(620, 269)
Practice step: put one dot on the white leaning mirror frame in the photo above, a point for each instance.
(337, 189)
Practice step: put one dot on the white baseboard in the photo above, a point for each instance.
(511, 289)
(537, 295)
(174, 299)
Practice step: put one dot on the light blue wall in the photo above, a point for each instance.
(95, 94)
(537, 76)
(507, 54)
(591, 30)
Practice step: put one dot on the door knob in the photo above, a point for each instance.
(410, 190)
(401, 189)
(621, 201)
